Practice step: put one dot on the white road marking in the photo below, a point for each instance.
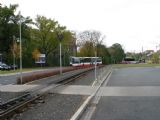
(95, 101)
(87, 101)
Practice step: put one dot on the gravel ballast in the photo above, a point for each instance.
(57, 106)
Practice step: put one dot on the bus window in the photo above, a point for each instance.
(87, 60)
(75, 60)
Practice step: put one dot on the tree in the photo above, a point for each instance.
(9, 22)
(117, 53)
(102, 51)
(44, 35)
(87, 49)
(47, 39)
(93, 36)
(155, 58)
(6, 23)
(15, 49)
(88, 41)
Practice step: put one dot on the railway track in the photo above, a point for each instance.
(16, 105)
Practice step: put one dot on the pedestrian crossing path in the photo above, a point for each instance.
(88, 90)
(110, 91)
(16, 88)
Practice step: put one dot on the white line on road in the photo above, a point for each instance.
(91, 110)
(79, 112)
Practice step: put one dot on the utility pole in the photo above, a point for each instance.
(95, 72)
(60, 57)
(60, 37)
(142, 54)
(20, 39)
(13, 52)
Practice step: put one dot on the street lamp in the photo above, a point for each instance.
(0, 58)
(14, 38)
(60, 37)
(95, 71)
(95, 53)
(20, 40)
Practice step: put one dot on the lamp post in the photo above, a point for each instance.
(60, 37)
(95, 71)
(0, 58)
(95, 52)
(14, 52)
(20, 40)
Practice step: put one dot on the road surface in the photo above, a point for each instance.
(130, 107)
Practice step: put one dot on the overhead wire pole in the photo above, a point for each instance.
(60, 37)
(60, 57)
(20, 38)
(142, 54)
(13, 53)
(95, 66)
(95, 71)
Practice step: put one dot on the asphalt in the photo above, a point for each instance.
(130, 107)
(147, 76)
(4, 80)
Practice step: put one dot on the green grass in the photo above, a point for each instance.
(134, 65)
(23, 70)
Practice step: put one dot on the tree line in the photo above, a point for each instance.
(43, 35)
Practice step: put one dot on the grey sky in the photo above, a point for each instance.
(132, 23)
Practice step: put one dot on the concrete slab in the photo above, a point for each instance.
(130, 91)
(109, 91)
(88, 90)
(74, 90)
(16, 88)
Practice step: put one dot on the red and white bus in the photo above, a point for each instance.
(85, 61)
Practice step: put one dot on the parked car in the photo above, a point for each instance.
(1, 67)
(13, 67)
(4, 67)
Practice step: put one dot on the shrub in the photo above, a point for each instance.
(36, 76)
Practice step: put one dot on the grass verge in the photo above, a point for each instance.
(134, 65)
(23, 70)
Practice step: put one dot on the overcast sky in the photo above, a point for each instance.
(132, 23)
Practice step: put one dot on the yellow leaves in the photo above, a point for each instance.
(35, 54)
(15, 48)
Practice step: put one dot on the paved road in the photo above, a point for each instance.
(148, 76)
(130, 107)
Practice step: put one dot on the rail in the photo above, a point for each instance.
(10, 107)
